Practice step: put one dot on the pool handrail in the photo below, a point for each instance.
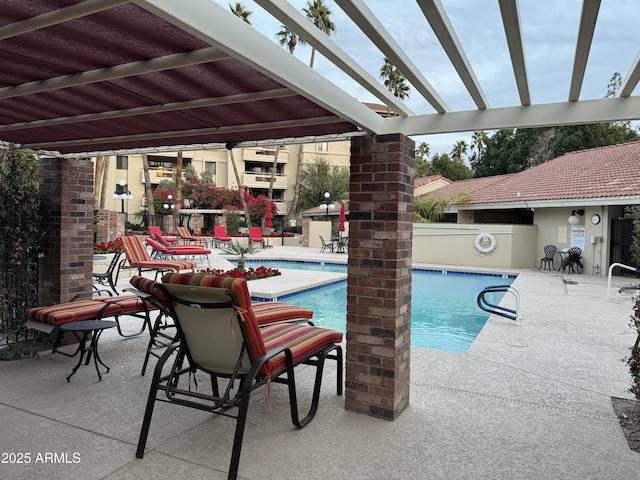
(498, 309)
(621, 265)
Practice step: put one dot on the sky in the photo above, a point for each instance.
(549, 29)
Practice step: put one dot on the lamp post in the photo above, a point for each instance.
(327, 204)
(121, 193)
(169, 205)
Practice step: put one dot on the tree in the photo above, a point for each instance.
(176, 212)
(241, 12)
(478, 141)
(459, 149)
(319, 177)
(394, 81)
(288, 38)
(442, 164)
(148, 191)
(320, 15)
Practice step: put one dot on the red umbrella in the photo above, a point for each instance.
(342, 218)
(268, 216)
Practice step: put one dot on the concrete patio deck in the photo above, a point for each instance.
(527, 401)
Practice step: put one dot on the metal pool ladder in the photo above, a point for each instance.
(497, 309)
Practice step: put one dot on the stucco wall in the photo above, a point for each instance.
(453, 244)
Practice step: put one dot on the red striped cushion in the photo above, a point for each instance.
(303, 340)
(272, 312)
(149, 286)
(172, 264)
(72, 312)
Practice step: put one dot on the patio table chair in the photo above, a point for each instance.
(326, 245)
(224, 341)
(549, 254)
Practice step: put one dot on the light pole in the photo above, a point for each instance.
(122, 193)
(327, 196)
(169, 205)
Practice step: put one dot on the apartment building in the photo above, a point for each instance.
(254, 166)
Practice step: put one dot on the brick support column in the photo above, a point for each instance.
(379, 280)
(67, 226)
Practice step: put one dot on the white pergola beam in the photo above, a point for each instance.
(375, 31)
(563, 113)
(588, 20)
(217, 26)
(141, 67)
(513, 31)
(438, 19)
(295, 21)
(632, 78)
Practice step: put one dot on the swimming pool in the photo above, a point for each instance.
(444, 311)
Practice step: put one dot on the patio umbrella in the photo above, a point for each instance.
(341, 219)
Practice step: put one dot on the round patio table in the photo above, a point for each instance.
(81, 330)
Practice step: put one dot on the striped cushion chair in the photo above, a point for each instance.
(220, 336)
(138, 257)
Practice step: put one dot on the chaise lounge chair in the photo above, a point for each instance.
(139, 258)
(156, 233)
(220, 236)
(189, 238)
(219, 338)
(255, 236)
(170, 253)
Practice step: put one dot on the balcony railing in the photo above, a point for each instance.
(261, 180)
(156, 175)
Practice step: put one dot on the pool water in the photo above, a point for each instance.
(444, 311)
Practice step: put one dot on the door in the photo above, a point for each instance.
(620, 252)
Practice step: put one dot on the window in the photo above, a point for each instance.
(210, 167)
(322, 147)
(122, 162)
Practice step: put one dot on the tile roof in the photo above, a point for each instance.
(603, 172)
(420, 181)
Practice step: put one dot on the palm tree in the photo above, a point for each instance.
(241, 12)
(320, 15)
(459, 149)
(394, 81)
(288, 38)
(423, 151)
(478, 140)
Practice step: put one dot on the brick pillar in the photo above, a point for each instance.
(67, 226)
(110, 225)
(379, 275)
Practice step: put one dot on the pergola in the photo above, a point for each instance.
(80, 78)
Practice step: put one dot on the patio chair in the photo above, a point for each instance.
(156, 233)
(222, 340)
(255, 236)
(170, 253)
(138, 257)
(189, 238)
(220, 236)
(326, 245)
(572, 261)
(549, 254)
(162, 332)
(107, 278)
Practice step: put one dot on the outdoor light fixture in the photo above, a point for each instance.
(327, 204)
(121, 193)
(169, 205)
(573, 219)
